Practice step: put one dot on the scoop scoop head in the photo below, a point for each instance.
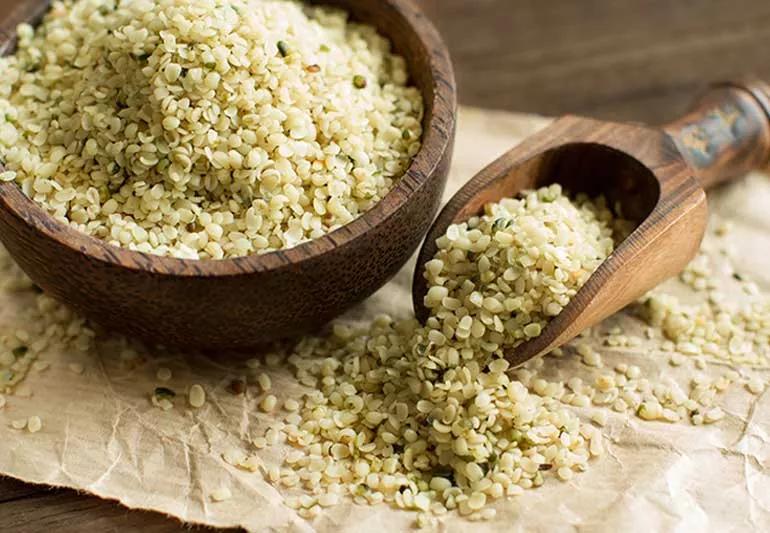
(639, 169)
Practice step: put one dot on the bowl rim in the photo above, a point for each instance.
(437, 140)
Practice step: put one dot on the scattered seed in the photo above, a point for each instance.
(713, 415)
(34, 424)
(41, 366)
(268, 403)
(221, 494)
(264, 382)
(197, 396)
(599, 417)
(755, 386)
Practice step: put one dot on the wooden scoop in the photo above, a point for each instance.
(656, 175)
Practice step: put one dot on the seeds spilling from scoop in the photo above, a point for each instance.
(427, 417)
(432, 419)
(498, 279)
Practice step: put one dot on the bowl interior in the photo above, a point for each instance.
(430, 69)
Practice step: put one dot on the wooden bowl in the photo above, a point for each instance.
(244, 302)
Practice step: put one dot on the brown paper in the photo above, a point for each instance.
(102, 435)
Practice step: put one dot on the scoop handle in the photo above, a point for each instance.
(727, 134)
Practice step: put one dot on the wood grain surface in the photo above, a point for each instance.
(616, 59)
(612, 59)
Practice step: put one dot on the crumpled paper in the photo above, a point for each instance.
(102, 435)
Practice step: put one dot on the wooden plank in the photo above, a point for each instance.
(11, 489)
(619, 59)
(26, 507)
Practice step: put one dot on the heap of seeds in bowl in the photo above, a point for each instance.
(205, 128)
(427, 417)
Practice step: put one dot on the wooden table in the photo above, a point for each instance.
(640, 60)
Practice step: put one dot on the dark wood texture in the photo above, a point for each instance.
(622, 60)
(245, 302)
(614, 59)
(726, 135)
(31, 508)
(655, 175)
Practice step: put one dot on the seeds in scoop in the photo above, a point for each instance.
(599, 417)
(532, 330)
(283, 48)
(359, 81)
